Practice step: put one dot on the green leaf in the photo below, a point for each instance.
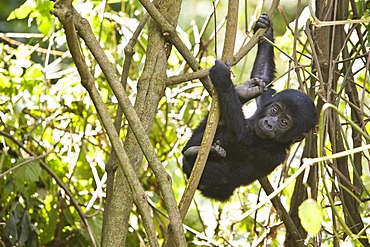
(33, 72)
(44, 25)
(25, 229)
(11, 229)
(42, 15)
(4, 82)
(28, 173)
(310, 214)
(23, 11)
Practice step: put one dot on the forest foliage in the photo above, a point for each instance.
(55, 149)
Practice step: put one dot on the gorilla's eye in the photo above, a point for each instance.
(274, 110)
(284, 122)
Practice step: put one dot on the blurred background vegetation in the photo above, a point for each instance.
(50, 133)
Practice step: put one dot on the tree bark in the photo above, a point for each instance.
(151, 88)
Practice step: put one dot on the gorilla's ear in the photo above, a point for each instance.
(299, 137)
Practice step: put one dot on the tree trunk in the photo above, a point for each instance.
(151, 88)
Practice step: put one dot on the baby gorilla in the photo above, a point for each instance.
(248, 149)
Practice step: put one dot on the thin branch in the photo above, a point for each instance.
(208, 20)
(7, 38)
(231, 28)
(255, 38)
(25, 163)
(201, 159)
(284, 215)
(170, 33)
(174, 80)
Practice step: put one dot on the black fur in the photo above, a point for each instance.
(239, 155)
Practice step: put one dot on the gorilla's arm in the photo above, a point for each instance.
(264, 64)
(230, 106)
(263, 67)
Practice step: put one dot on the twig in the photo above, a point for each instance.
(174, 80)
(208, 20)
(25, 163)
(7, 38)
(255, 38)
(284, 215)
(170, 33)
